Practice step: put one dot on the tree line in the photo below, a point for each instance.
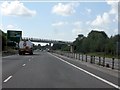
(3, 40)
(96, 41)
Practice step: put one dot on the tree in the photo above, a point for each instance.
(56, 46)
(4, 39)
(97, 41)
(78, 42)
(94, 42)
(63, 47)
(85, 46)
(112, 45)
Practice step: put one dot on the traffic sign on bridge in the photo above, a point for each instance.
(13, 35)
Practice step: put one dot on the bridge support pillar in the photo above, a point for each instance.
(71, 48)
(50, 46)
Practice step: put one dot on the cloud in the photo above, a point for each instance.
(64, 9)
(16, 8)
(107, 17)
(101, 20)
(116, 19)
(59, 24)
(114, 7)
(116, 31)
(1, 26)
(78, 28)
(105, 20)
(77, 23)
(12, 27)
(88, 22)
(88, 11)
(76, 31)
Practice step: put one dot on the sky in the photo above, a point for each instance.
(59, 20)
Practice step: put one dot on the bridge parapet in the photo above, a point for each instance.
(46, 40)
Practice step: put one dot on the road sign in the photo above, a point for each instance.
(13, 35)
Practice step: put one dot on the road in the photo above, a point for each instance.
(46, 70)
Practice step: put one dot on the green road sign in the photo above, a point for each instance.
(14, 35)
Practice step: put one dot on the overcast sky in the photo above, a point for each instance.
(59, 20)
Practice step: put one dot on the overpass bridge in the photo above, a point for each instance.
(47, 41)
(50, 41)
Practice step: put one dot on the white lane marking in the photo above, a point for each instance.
(116, 86)
(7, 79)
(23, 65)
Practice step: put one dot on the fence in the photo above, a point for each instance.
(102, 61)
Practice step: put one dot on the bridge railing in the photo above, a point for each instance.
(46, 40)
(112, 63)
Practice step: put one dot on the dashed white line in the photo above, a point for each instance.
(23, 65)
(7, 79)
(116, 86)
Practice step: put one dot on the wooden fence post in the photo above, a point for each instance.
(82, 57)
(113, 63)
(103, 61)
(99, 60)
(91, 59)
(86, 58)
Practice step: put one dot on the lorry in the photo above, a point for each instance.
(25, 46)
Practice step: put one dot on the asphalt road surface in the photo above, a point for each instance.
(46, 70)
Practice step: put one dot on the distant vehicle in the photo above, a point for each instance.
(48, 50)
(25, 47)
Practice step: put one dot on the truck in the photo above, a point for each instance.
(25, 46)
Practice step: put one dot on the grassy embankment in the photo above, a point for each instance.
(101, 54)
(9, 51)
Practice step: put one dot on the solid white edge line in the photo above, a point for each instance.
(116, 86)
(23, 65)
(7, 79)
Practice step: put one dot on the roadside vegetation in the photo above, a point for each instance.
(3, 40)
(97, 43)
(6, 47)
